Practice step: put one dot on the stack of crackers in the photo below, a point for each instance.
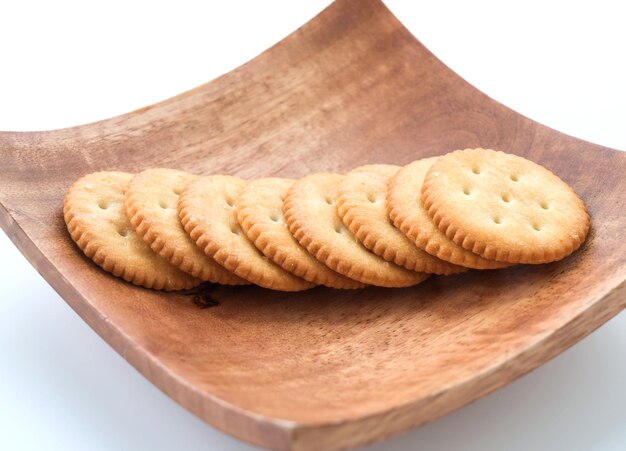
(379, 225)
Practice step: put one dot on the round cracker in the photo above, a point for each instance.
(504, 207)
(151, 200)
(208, 212)
(411, 218)
(260, 215)
(96, 219)
(362, 207)
(312, 217)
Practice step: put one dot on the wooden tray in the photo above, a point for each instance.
(325, 369)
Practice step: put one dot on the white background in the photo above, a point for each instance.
(62, 64)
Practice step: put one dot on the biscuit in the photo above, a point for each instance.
(96, 219)
(208, 212)
(504, 207)
(151, 200)
(260, 215)
(411, 218)
(362, 207)
(313, 220)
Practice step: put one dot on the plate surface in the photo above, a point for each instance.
(325, 369)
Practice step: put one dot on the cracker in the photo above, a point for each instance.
(313, 220)
(362, 207)
(208, 213)
(259, 212)
(411, 218)
(96, 219)
(504, 207)
(151, 200)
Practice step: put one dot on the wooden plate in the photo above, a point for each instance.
(325, 369)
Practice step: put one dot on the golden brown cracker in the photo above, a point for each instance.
(313, 220)
(208, 212)
(409, 215)
(504, 207)
(260, 215)
(151, 200)
(96, 219)
(361, 204)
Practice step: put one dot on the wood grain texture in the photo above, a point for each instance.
(325, 368)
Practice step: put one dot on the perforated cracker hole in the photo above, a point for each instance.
(235, 230)
(506, 198)
(338, 228)
(544, 204)
(467, 191)
(274, 217)
(230, 202)
(536, 226)
(103, 204)
(476, 170)
(497, 219)
(515, 177)
(177, 191)
(372, 198)
(123, 232)
(330, 201)
(163, 204)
